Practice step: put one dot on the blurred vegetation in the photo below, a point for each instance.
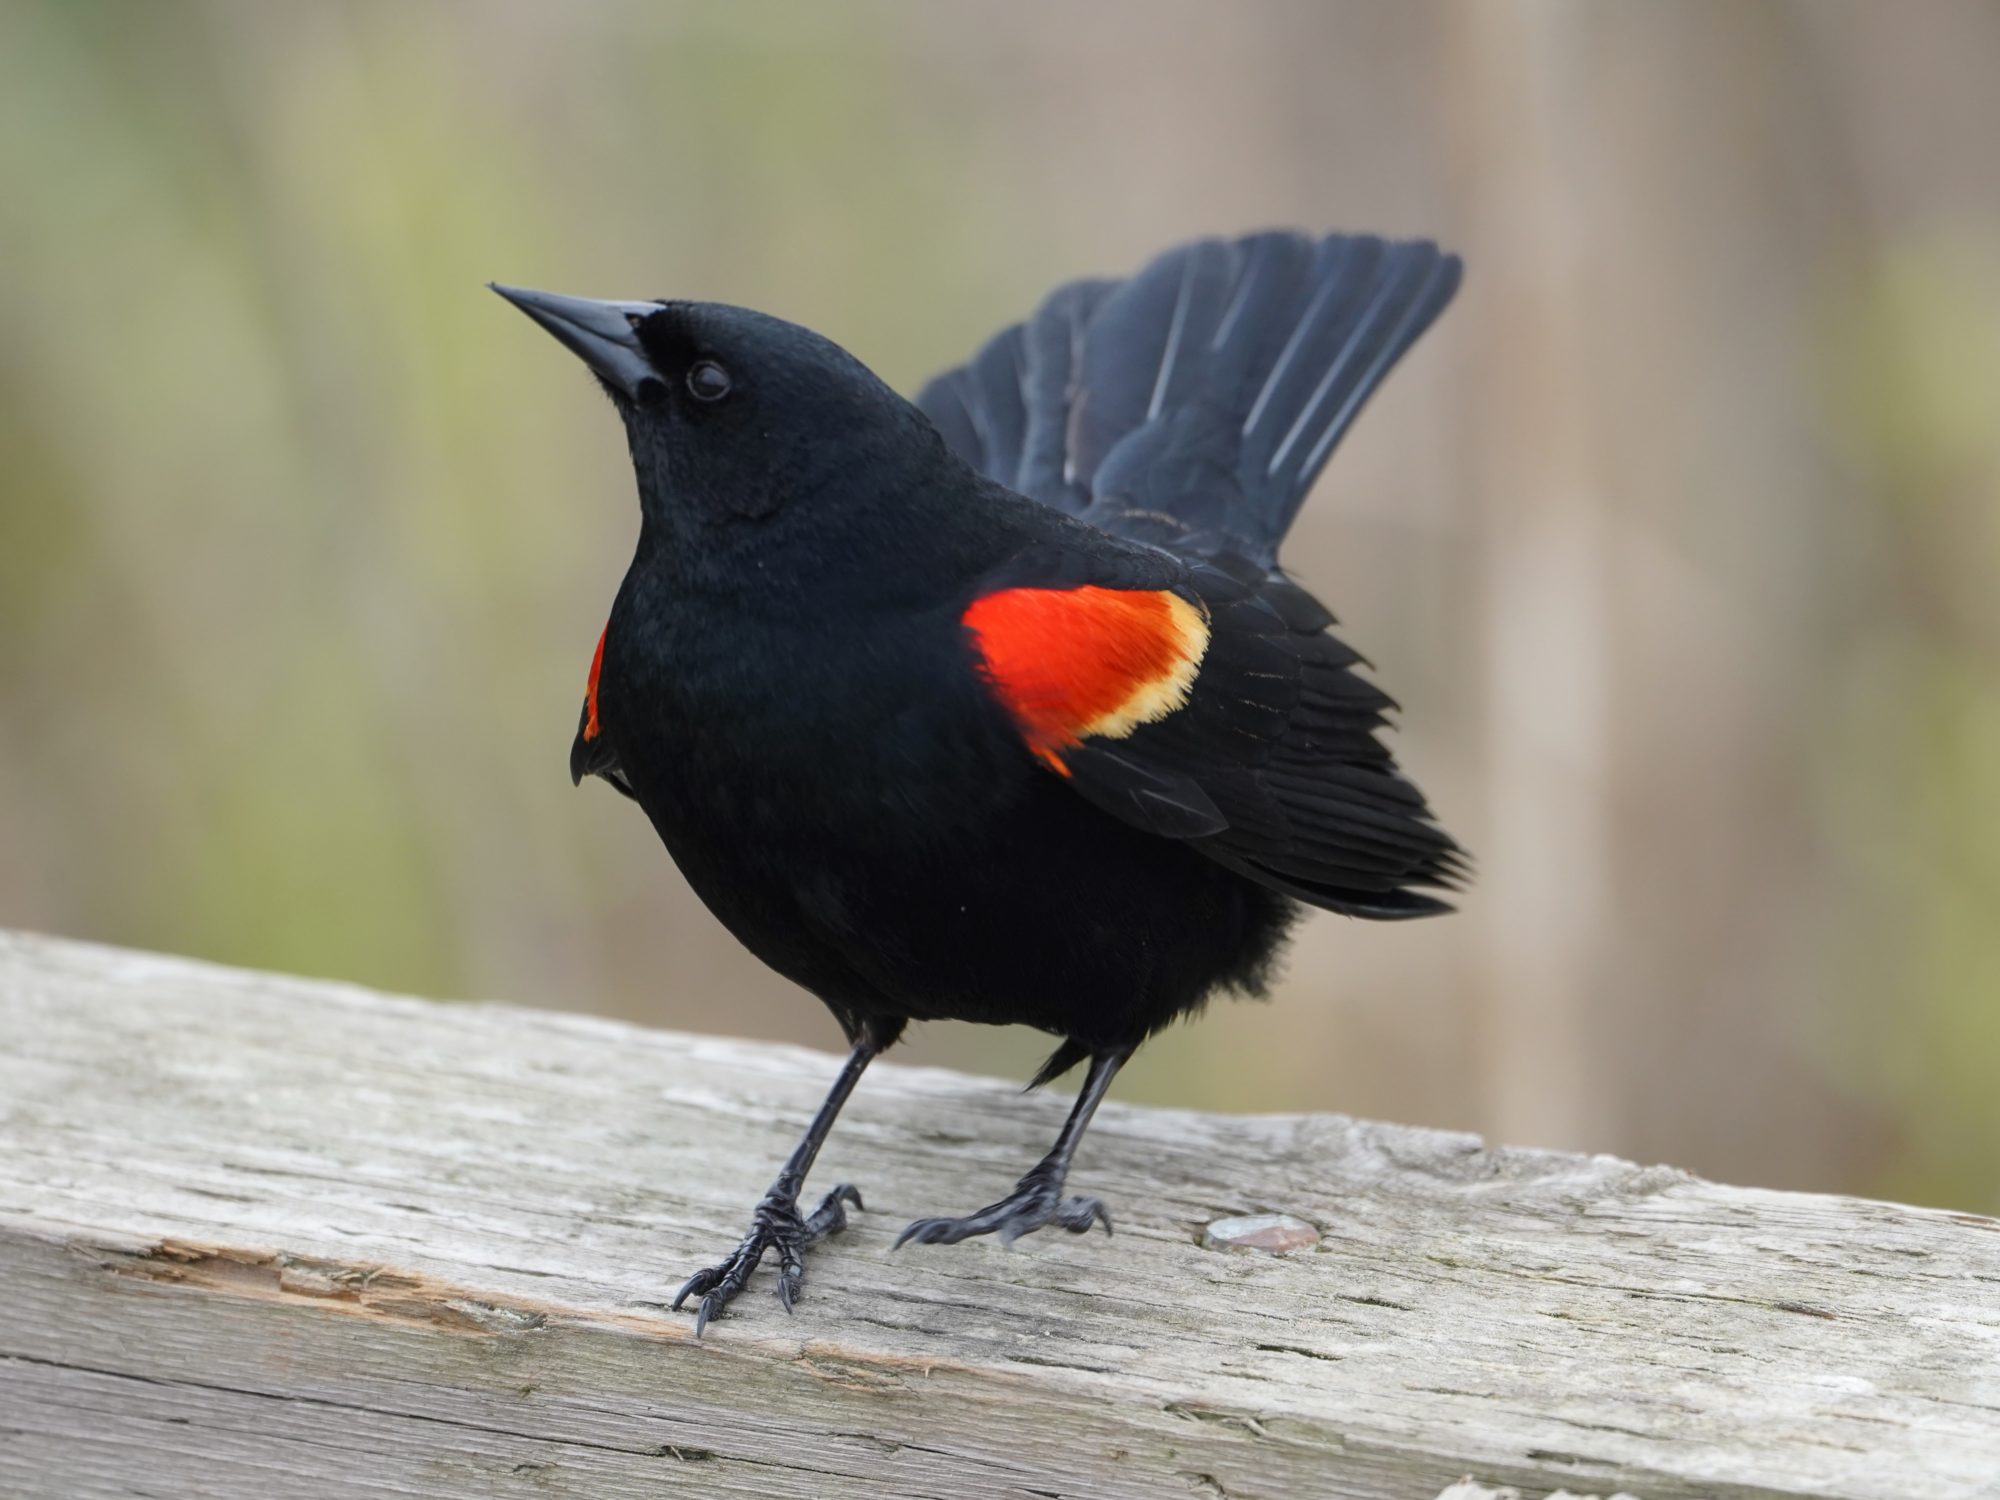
(1678, 539)
(1912, 781)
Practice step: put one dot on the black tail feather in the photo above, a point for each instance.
(1055, 343)
(1007, 411)
(1059, 1062)
(1199, 399)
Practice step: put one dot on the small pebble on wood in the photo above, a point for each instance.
(1272, 1233)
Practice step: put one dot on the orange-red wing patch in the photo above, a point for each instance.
(1070, 664)
(591, 728)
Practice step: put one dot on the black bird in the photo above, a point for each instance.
(997, 706)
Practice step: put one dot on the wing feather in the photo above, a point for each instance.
(1274, 764)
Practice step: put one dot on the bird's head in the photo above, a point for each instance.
(731, 414)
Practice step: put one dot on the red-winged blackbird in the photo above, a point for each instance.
(996, 706)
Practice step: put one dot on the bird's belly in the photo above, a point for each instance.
(991, 894)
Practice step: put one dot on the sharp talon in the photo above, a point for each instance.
(830, 1217)
(791, 1276)
(689, 1287)
(1031, 1206)
(924, 1232)
(1080, 1215)
(775, 1226)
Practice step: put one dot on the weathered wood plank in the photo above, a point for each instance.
(268, 1238)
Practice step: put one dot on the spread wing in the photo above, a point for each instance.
(1220, 711)
(1194, 403)
(1190, 407)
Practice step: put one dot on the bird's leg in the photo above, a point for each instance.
(1037, 1199)
(777, 1224)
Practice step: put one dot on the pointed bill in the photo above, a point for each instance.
(604, 335)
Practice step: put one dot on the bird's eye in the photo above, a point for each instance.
(708, 381)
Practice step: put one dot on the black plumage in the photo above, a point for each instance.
(1194, 405)
(998, 706)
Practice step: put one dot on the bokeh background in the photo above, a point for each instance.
(1678, 538)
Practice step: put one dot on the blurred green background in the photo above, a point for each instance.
(1678, 539)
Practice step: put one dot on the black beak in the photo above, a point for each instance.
(604, 335)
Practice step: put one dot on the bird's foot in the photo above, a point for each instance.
(777, 1225)
(1035, 1204)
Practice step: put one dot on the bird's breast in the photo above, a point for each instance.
(844, 736)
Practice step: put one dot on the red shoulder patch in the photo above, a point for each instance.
(591, 728)
(1070, 664)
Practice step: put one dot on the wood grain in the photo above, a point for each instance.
(268, 1238)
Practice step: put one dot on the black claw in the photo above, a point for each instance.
(791, 1275)
(831, 1215)
(699, 1282)
(1081, 1215)
(845, 1192)
(776, 1225)
(1031, 1206)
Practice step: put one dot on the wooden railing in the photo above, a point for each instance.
(268, 1238)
